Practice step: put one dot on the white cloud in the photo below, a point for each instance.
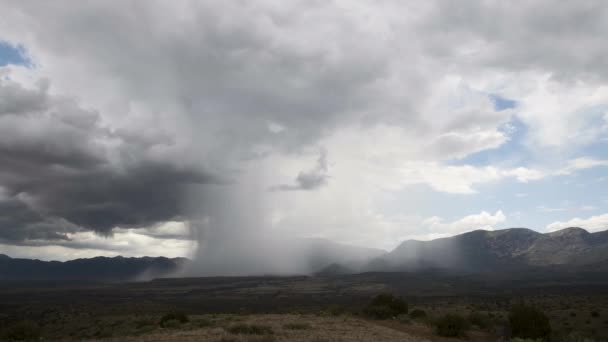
(581, 164)
(169, 239)
(592, 224)
(484, 220)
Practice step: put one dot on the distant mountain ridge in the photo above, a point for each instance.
(483, 251)
(116, 269)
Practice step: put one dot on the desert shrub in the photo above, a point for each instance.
(250, 329)
(451, 325)
(575, 337)
(385, 306)
(417, 314)
(595, 314)
(144, 322)
(173, 320)
(21, 331)
(203, 322)
(333, 310)
(528, 322)
(297, 326)
(378, 312)
(403, 318)
(476, 318)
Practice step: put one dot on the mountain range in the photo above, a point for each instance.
(116, 269)
(480, 251)
(507, 249)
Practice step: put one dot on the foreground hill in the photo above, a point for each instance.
(95, 269)
(481, 251)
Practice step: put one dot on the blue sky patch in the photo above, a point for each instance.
(502, 103)
(13, 54)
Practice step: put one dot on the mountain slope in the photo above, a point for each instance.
(506, 249)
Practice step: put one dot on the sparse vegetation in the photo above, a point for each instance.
(479, 320)
(418, 314)
(173, 320)
(297, 326)
(250, 329)
(451, 325)
(203, 322)
(385, 306)
(528, 322)
(333, 310)
(21, 331)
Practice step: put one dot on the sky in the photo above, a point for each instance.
(164, 128)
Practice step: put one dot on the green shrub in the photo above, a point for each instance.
(378, 312)
(173, 320)
(417, 314)
(250, 329)
(476, 318)
(333, 310)
(297, 326)
(21, 331)
(575, 337)
(203, 322)
(451, 325)
(528, 322)
(385, 306)
(144, 322)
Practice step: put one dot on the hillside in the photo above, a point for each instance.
(515, 248)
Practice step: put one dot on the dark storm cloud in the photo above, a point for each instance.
(58, 176)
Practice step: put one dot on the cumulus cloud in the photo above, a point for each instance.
(483, 220)
(592, 224)
(64, 171)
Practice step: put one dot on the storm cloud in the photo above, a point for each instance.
(63, 171)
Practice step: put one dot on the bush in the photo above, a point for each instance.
(417, 314)
(250, 329)
(297, 326)
(529, 322)
(451, 325)
(478, 319)
(333, 310)
(595, 314)
(203, 322)
(385, 306)
(173, 320)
